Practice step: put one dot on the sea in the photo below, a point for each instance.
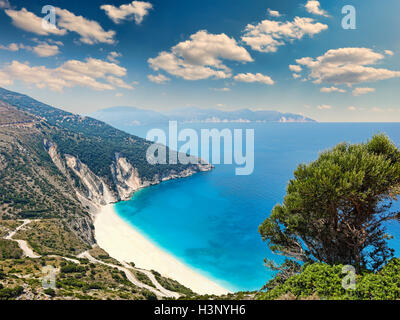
(210, 221)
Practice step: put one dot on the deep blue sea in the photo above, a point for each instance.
(210, 220)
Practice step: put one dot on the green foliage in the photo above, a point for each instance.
(73, 268)
(9, 250)
(50, 292)
(172, 285)
(142, 277)
(384, 285)
(336, 206)
(10, 293)
(325, 282)
(148, 295)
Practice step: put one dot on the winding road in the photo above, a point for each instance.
(159, 290)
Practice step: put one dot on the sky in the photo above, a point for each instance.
(283, 55)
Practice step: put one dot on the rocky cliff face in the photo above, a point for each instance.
(126, 177)
(96, 191)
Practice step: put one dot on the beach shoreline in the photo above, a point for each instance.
(124, 243)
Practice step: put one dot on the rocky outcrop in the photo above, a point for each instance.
(51, 149)
(81, 225)
(97, 190)
(125, 177)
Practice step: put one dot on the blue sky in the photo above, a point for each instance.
(211, 54)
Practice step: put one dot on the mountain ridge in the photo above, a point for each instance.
(133, 116)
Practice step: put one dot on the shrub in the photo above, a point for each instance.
(325, 282)
(50, 292)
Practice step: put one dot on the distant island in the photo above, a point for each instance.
(132, 116)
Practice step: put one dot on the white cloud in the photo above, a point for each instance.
(112, 56)
(119, 95)
(28, 21)
(11, 47)
(268, 35)
(72, 73)
(118, 82)
(201, 57)
(314, 7)
(274, 13)
(332, 89)
(296, 76)
(389, 52)
(352, 108)
(250, 77)
(324, 107)
(90, 31)
(46, 50)
(347, 66)
(160, 78)
(295, 68)
(136, 10)
(361, 91)
(43, 49)
(375, 109)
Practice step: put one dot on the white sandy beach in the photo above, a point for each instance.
(124, 243)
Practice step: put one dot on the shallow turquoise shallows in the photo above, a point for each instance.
(210, 221)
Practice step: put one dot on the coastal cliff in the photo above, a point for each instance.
(96, 191)
(64, 166)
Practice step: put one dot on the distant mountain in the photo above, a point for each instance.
(131, 116)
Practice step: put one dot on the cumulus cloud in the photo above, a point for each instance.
(352, 108)
(30, 22)
(12, 47)
(274, 13)
(361, 91)
(201, 57)
(314, 7)
(136, 10)
(46, 50)
(347, 66)
(160, 78)
(70, 74)
(324, 107)
(332, 89)
(250, 77)
(90, 31)
(43, 49)
(296, 75)
(295, 68)
(389, 52)
(112, 56)
(268, 35)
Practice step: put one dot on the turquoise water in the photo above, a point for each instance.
(210, 220)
